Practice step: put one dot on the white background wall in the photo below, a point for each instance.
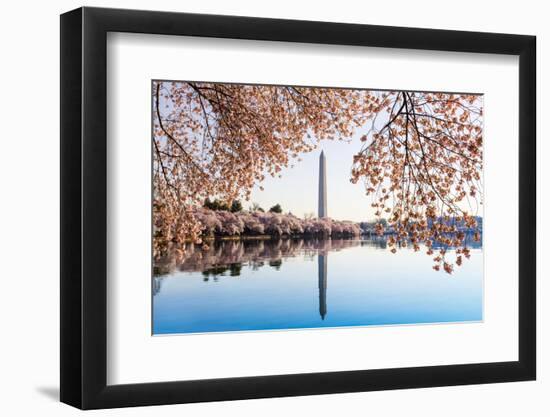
(29, 219)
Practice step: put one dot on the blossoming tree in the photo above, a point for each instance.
(420, 158)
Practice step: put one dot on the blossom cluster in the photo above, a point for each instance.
(224, 223)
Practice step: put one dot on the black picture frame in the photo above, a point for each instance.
(84, 207)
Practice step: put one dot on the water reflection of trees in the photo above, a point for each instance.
(379, 242)
(228, 256)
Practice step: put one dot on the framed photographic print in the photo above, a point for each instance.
(257, 208)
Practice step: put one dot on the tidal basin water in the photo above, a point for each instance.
(297, 284)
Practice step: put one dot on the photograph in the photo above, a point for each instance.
(285, 207)
(268, 209)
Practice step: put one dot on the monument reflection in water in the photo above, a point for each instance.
(322, 261)
(283, 284)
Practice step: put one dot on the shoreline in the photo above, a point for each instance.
(272, 237)
(373, 235)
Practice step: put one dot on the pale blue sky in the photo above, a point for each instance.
(297, 190)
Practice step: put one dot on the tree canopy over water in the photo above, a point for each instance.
(419, 160)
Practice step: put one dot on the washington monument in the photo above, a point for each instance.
(322, 186)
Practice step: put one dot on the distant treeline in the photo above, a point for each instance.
(236, 206)
(368, 228)
(222, 223)
(220, 219)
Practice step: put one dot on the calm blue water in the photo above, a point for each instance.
(291, 284)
